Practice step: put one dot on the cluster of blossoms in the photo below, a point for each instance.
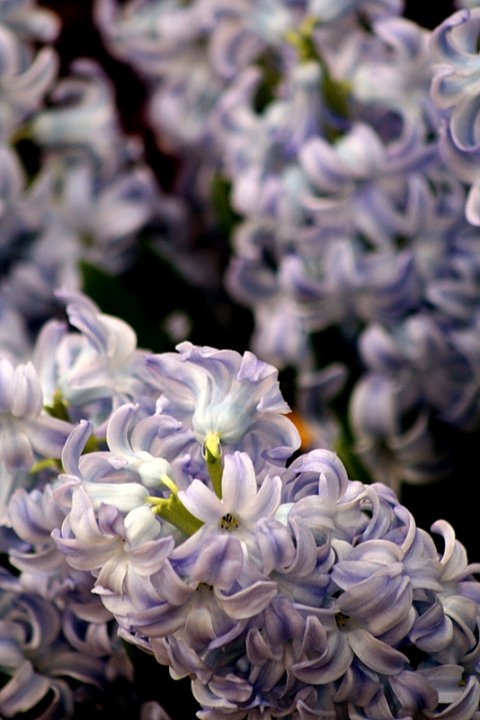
(346, 137)
(163, 503)
(160, 499)
(73, 187)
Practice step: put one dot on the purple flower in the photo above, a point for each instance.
(299, 590)
(98, 364)
(38, 659)
(121, 545)
(260, 154)
(150, 445)
(454, 91)
(83, 119)
(398, 79)
(236, 397)
(241, 505)
(456, 81)
(26, 430)
(101, 208)
(393, 450)
(26, 74)
(28, 20)
(365, 178)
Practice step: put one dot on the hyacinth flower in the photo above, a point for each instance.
(297, 592)
(27, 432)
(83, 116)
(27, 73)
(455, 93)
(27, 684)
(91, 363)
(54, 664)
(157, 37)
(278, 588)
(229, 401)
(88, 193)
(380, 413)
(77, 658)
(30, 21)
(20, 212)
(13, 338)
(77, 214)
(187, 54)
(325, 280)
(92, 192)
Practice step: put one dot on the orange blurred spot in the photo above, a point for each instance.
(303, 427)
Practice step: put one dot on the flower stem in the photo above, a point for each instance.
(212, 453)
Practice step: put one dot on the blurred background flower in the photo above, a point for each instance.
(236, 226)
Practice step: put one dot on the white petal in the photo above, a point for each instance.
(202, 502)
(239, 484)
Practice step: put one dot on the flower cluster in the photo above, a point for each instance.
(233, 516)
(170, 508)
(73, 187)
(346, 136)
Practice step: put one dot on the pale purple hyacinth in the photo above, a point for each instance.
(160, 40)
(261, 149)
(101, 208)
(234, 396)
(75, 211)
(308, 593)
(360, 173)
(352, 215)
(280, 591)
(455, 85)
(396, 77)
(240, 498)
(29, 20)
(127, 539)
(19, 209)
(148, 33)
(42, 650)
(28, 72)
(98, 362)
(454, 91)
(392, 431)
(448, 385)
(83, 118)
(151, 445)
(187, 54)
(25, 428)
(92, 192)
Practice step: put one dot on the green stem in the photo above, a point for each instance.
(212, 453)
(174, 511)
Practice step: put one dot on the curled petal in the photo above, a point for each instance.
(249, 601)
(376, 654)
(25, 689)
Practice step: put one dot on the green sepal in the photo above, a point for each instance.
(58, 408)
(46, 464)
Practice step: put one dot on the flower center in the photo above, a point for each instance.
(228, 522)
(341, 619)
